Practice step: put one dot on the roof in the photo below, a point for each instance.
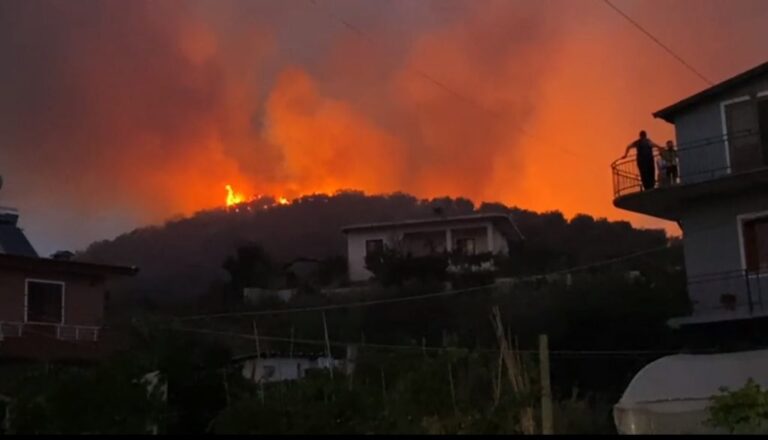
(494, 217)
(668, 113)
(688, 376)
(14, 242)
(63, 266)
(266, 355)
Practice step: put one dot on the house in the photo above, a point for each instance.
(277, 367)
(720, 200)
(439, 235)
(49, 308)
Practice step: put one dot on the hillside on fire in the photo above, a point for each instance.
(184, 258)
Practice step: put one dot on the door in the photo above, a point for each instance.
(744, 149)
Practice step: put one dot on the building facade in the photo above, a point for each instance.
(468, 234)
(49, 308)
(721, 199)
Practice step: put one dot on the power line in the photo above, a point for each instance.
(395, 347)
(658, 42)
(418, 297)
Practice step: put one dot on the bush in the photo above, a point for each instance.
(741, 411)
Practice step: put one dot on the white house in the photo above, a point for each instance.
(468, 234)
(277, 367)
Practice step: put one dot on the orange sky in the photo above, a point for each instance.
(119, 114)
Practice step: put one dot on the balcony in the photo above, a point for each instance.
(713, 167)
(72, 333)
(726, 296)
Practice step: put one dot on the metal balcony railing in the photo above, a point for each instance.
(66, 332)
(736, 290)
(700, 160)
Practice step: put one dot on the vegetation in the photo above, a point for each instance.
(182, 259)
(742, 411)
(443, 375)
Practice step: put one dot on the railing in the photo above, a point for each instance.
(65, 332)
(736, 290)
(699, 160)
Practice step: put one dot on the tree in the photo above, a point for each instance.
(252, 267)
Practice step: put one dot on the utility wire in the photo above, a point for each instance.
(418, 297)
(396, 347)
(658, 42)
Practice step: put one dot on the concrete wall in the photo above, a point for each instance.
(83, 297)
(712, 245)
(393, 238)
(705, 121)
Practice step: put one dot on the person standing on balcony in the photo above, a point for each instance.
(669, 159)
(645, 165)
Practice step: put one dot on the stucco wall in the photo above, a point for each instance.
(83, 299)
(712, 245)
(704, 121)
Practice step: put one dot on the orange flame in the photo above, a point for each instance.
(233, 198)
(283, 201)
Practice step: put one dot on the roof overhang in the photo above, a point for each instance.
(62, 266)
(503, 222)
(668, 113)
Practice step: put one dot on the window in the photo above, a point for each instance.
(465, 246)
(374, 247)
(268, 371)
(755, 236)
(742, 126)
(45, 301)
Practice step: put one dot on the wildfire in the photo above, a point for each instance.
(283, 201)
(233, 198)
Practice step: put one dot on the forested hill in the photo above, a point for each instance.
(182, 258)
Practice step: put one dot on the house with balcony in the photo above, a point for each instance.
(50, 308)
(721, 199)
(473, 234)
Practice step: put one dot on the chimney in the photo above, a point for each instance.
(8, 216)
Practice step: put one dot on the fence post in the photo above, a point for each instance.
(328, 347)
(258, 363)
(546, 390)
(749, 290)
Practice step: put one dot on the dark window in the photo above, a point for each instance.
(756, 244)
(269, 371)
(741, 121)
(374, 247)
(45, 301)
(465, 246)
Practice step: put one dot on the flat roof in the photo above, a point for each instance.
(64, 266)
(668, 113)
(427, 221)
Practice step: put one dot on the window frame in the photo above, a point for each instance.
(63, 300)
(740, 220)
(463, 249)
(723, 104)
